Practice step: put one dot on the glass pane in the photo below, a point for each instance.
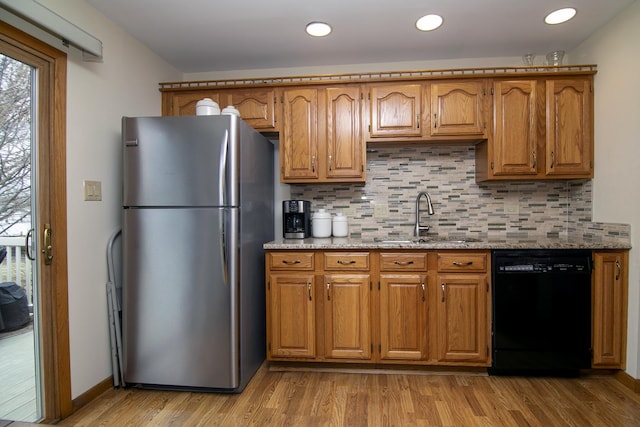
(19, 375)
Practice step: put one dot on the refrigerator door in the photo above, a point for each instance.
(180, 319)
(180, 161)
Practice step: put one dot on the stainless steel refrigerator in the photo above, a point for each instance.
(197, 207)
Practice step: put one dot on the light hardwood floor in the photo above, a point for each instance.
(360, 399)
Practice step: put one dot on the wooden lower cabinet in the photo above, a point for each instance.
(411, 307)
(347, 320)
(462, 324)
(403, 316)
(292, 316)
(609, 309)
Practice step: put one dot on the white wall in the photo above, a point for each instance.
(617, 143)
(99, 94)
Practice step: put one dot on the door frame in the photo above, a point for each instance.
(51, 209)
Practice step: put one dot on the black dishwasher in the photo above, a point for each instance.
(541, 312)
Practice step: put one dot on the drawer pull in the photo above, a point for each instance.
(422, 284)
(618, 269)
(346, 262)
(309, 290)
(462, 264)
(442, 286)
(288, 262)
(403, 262)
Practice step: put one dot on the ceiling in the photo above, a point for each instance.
(211, 35)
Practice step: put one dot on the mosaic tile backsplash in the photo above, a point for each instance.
(395, 176)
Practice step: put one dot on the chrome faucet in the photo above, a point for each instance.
(419, 228)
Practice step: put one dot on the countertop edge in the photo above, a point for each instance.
(356, 244)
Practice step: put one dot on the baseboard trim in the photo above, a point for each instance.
(628, 381)
(91, 394)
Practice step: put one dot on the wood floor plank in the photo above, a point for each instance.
(307, 398)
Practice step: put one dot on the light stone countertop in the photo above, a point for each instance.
(352, 243)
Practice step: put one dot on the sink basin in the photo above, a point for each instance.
(453, 239)
(394, 240)
(426, 239)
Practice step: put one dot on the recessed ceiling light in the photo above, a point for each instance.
(559, 16)
(429, 22)
(318, 29)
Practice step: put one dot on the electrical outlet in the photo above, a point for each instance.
(349, 212)
(511, 209)
(381, 210)
(92, 190)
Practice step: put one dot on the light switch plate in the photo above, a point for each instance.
(92, 190)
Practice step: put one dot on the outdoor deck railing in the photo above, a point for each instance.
(16, 267)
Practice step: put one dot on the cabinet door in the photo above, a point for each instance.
(345, 146)
(457, 108)
(609, 309)
(299, 138)
(515, 126)
(403, 316)
(256, 106)
(184, 103)
(396, 110)
(292, 316)
(569, 142)
(347, 316)
(461, 312)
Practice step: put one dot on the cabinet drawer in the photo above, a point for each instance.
(291, 261)
(462, 262)
(346, 261)
(403, 261)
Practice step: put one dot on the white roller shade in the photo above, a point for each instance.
(44, 24)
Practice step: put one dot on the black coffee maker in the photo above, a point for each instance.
(296, 219)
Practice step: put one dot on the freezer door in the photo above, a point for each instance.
(180, 161)
(180, 318)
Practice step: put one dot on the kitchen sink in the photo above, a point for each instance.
(426, 239)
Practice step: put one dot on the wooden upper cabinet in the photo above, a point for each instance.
(321, 137)
(395, 110)
(343, 134)
(256, 106)
(515, 140)
(299, 136)
(569, 145)
(543, 129)
(184, 103)
(457, 108)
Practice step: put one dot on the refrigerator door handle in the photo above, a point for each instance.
(222, 181)
(223, 246)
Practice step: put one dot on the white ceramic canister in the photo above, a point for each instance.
(207, 107)
(230, 110)
(340, 225)
(321, 224)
